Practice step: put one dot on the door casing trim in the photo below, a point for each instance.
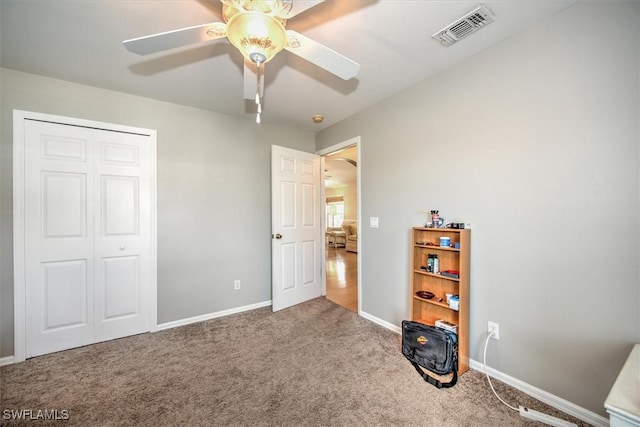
(322, 153)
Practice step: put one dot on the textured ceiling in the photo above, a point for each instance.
(81, 41)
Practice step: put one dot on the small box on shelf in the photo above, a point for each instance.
(447, 325)
(453, 274)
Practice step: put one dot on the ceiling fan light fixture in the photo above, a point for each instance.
(257, 36)
(257, 29)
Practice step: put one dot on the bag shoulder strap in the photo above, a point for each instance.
(433, 381)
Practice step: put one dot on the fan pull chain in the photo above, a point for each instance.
(258, 103)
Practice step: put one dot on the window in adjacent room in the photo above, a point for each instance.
(335, 211)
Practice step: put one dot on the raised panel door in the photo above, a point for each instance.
(88, 208)
(297, 234)
(58, 237)
(122, 275)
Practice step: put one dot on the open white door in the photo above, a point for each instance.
(296, 243)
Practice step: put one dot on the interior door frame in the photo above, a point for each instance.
(19, 273)
(322, 153)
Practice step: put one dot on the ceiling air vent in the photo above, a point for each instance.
(468, 24)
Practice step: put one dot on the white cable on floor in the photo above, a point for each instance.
(484, 359)
(524, 412)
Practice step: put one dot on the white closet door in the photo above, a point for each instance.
(123, 233)
(58, 237)
(87, 235)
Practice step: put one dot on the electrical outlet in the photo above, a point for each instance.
(495, 328)
(236, 284)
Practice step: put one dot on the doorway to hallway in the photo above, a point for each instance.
(341, 173)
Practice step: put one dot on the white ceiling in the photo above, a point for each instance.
(341, 168)
(81, 41)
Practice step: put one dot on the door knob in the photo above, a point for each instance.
(122, 248)
(278, 236)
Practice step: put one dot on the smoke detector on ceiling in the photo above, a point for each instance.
(461, 28)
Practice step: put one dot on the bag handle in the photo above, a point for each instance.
(428, 378)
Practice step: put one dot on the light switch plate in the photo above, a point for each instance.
(373, 222)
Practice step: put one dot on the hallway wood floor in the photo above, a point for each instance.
(342, 277)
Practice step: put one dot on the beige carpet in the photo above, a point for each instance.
(315, 364)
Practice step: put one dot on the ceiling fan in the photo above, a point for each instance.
(257, 28)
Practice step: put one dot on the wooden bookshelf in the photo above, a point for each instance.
(426, 241)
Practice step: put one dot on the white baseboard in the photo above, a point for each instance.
(381, 322)
(209, 316)
(6, 360)
(543, 396)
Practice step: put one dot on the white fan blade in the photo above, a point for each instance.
(251, 81)
(176, 38)
(321, 56)
(299, 6)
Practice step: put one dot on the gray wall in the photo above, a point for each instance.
(214, 194)
(535, 142)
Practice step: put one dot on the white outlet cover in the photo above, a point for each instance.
(495, 328)
(374, 222)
